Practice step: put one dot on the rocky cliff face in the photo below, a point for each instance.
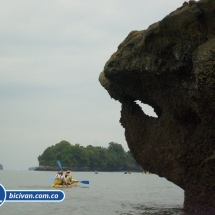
(171, 67)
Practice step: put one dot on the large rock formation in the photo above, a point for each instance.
(171, 67)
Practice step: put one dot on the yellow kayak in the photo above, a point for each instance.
(74, 182)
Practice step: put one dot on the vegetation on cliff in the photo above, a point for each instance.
(96, 157)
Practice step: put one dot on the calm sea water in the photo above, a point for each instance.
(108, 193)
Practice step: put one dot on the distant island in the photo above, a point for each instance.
(1, 167)
(32, 168)
(90, 158)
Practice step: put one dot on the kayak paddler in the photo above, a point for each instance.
(59, 178)
(68, 177)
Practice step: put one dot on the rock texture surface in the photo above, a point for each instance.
(171, 67)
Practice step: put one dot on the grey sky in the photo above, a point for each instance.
(52, 52)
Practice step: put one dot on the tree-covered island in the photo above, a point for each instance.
(89, 158)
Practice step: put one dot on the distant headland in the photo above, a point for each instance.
(89, 158)
(32, 168)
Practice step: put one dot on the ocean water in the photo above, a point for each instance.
(108, 193)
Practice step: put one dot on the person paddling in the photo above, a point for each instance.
(68, 177)
(59, 178)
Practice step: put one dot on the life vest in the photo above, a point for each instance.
(58, 179)
(68, 178)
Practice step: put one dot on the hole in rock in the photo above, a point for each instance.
(148, 110)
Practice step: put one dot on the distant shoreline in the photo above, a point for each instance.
(90, 169)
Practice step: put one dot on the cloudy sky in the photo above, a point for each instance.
(51, 55)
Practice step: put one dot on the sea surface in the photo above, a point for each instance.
(108, 193)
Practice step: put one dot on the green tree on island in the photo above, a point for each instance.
(91, 156)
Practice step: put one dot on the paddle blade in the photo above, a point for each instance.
(85, 182)
(51, 179)
(59, 164)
